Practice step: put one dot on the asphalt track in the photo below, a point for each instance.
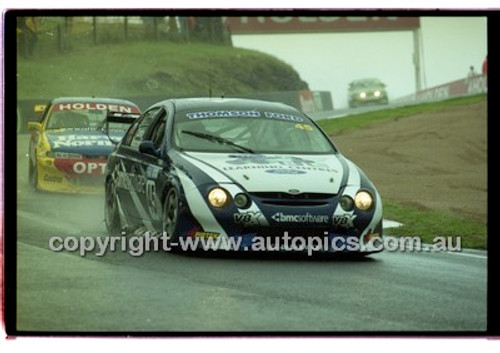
(167, 292)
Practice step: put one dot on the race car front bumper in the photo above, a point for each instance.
(290, 228)
(71, 176)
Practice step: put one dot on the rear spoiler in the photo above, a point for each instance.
(116, 117)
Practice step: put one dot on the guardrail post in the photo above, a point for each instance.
(94, 29)
(125, 27)
(59, 39)
(416, 59)
(155, 28)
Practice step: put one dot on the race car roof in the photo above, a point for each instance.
(367, 81)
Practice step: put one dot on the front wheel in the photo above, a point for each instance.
(170, 218)
(111, 212)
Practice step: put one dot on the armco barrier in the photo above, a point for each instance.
(468, 86)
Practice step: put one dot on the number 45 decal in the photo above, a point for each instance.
(154, 204)
(304, 127)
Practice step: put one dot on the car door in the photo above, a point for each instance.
(129, 169)
(151, 167)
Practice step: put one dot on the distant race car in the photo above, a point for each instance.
(237, 169)
(367, 91)
(69, 147)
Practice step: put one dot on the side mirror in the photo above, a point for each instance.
(148, 147)
(39, 108)
(32, 126)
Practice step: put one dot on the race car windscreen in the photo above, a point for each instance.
(367, 84)
(82, 119)
(248, 131)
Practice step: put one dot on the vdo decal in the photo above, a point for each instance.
(251, 218)
(345, 220)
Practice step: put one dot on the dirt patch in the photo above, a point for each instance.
(432, 161)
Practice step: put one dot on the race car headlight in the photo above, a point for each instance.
(363, 200)
(362, 95)
(347, 203)
(241, 200)
(218, 197)
(377, 94)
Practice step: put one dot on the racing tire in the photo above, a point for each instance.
(111, 211)
(33, 176)
(170, 219)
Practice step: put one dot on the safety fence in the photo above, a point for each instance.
(476, 84)
(39, 36)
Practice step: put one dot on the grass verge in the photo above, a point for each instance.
(428, 224)
(424, 223)
(353, 122)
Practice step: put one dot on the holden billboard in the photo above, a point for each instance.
(304, 24)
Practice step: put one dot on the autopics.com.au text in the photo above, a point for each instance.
(137, 245)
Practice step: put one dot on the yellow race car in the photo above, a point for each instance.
(69, 146)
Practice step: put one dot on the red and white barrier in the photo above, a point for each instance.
(469, 86)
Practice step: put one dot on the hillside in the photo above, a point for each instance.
(154, 68)
(432, 161)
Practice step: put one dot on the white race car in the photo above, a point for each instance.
(239, 171)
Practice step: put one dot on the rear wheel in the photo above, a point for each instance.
(170, 218)
(111, 212)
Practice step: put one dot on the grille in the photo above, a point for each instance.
(296, 232)
(286, 199)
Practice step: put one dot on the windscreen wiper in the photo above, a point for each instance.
(218, 139)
